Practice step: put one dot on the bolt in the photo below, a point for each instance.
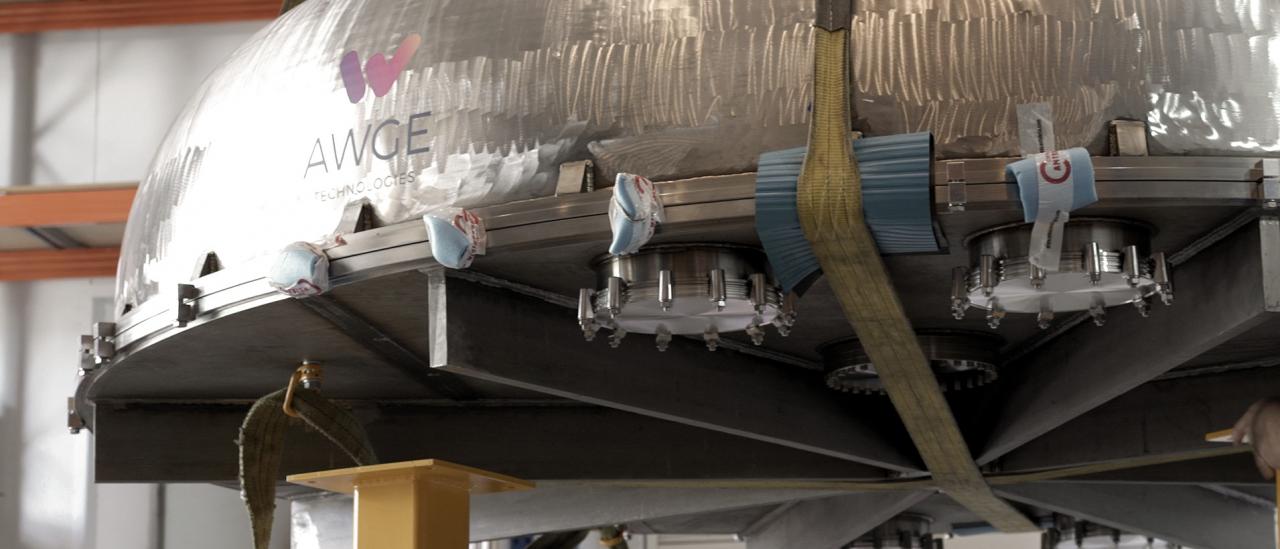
(615, 339)
(788, 314)
(780, 323)
(712, 337)
(1160, 273)
(1144, 309)
(613, 289)
(759, 291)
(719, 294)
(995, 314)
(662, 338)
(1037, 277)
(1131, 270)
(987, 276)
(1099, 313)
(1044, 320)
(1093, 262)
(756, 332)
(664, 289)
(959, 292)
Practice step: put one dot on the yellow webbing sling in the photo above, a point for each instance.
(829, 200)
(261, 445)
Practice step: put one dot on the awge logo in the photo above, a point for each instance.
(379, 73)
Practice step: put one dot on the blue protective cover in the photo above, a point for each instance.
(449, 245)
(1024, 172)
(897, 202)
(632, 223)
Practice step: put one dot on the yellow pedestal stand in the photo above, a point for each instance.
(423, 504)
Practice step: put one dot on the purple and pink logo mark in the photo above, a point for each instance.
(379, 73)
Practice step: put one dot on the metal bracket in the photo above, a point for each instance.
(75, 423)
(207, 265)
(357, 216)
(186, 309)
(98, 347)
(1128, 138)
(957, 196)
(576, 177)
(1269, 185)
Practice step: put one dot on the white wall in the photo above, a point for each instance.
(107, 97)
(7, 84)
(212, 517)
(12, 333)
(45, 482)
(103, 101)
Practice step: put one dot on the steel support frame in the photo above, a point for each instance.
(49, 15)
(50, 263)
(1222, 292)
(734, 393)
(150, 442)
(1163, 417)
(379, 342)
(831, 523)
(1188, 515)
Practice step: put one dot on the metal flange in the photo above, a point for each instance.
(960, 360)
(1105, 263)
(687, 289)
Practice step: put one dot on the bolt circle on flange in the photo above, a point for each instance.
(699, 290)
(959, 359)
(1104, 263)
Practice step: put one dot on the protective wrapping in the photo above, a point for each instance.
(338, 101)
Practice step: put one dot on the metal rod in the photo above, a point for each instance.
(719, 294)
(987, 274)
(1132, 271)
(1045, 318)
(1093, 262)
(586, 313)
(1037, 277)
(613, 289)
(1160, 273)
(664, 289)
(959, 292)
(759, 291)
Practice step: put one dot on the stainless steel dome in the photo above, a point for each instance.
(478, 102)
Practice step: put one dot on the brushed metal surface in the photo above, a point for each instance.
(666, 88)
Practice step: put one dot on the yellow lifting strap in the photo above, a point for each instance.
(262, 443)
(829, 201)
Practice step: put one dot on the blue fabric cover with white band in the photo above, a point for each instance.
(896, 174)
(1024, 172)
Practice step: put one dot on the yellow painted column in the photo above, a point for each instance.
(422, 504)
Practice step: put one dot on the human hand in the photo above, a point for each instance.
(1261, 426)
